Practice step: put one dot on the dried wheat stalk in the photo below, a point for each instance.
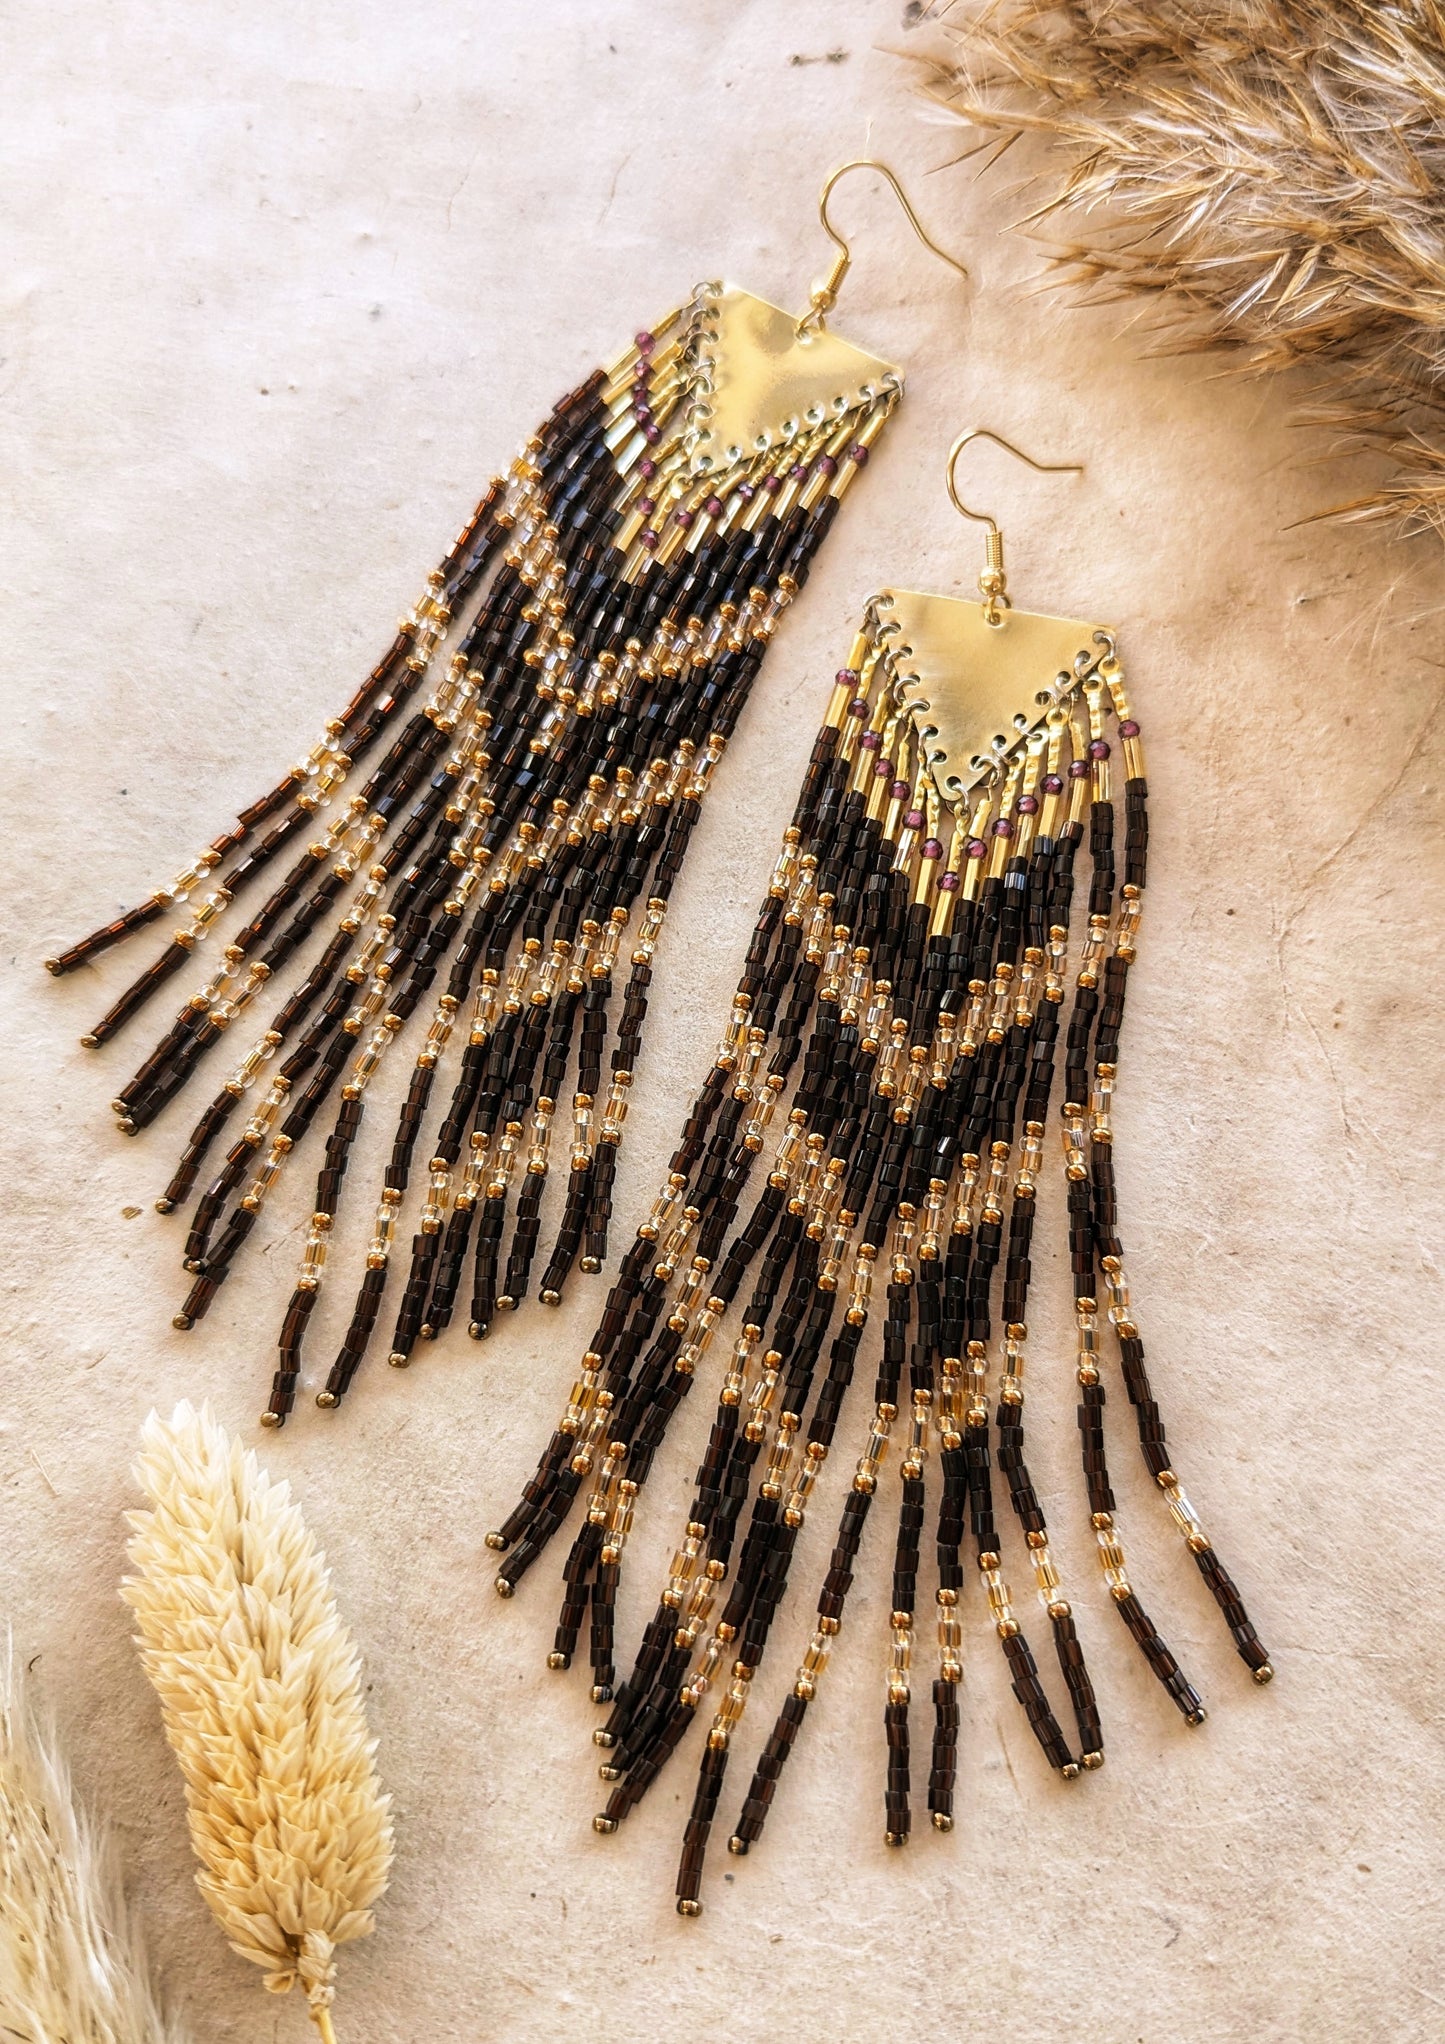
(1271, 171)
(72, 1966)
(260, 1692)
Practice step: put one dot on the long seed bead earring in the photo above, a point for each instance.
(614, 594)
(899, 1015)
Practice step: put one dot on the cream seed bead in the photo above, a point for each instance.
(313, 1256)
(591, 1440)
(255, 1194)
(760, 1399)
(666, 1209)
(383, 1230)
(505, 1161)
(865, 1476)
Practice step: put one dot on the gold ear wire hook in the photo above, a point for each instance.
(825, 297)
(993, 583)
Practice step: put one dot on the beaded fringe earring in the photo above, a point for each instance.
(910, 965)
(623, 579)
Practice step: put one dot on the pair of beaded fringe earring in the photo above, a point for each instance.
(899, 1016)
(615, 594)
(907, 990)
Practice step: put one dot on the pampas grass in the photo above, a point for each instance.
(1271, 173)
(72, 1969)
(260, 1693)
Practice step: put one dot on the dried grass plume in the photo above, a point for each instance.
(72, 1967)
(1272, 172)
(260, 1692)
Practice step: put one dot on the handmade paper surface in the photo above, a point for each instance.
(284, 289)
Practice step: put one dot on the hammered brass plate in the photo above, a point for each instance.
(769, 385)
(975, 689)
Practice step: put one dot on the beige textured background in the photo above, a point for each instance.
(286, 285)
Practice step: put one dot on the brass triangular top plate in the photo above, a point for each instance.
(769, 385)
(974, 690)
